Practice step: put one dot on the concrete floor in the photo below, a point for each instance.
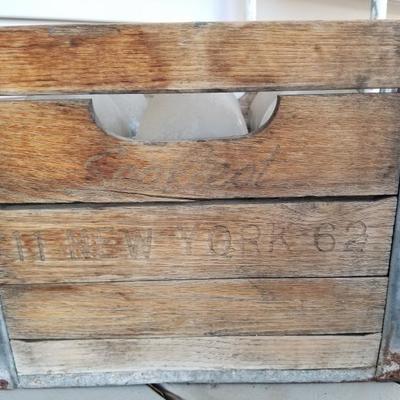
(345, 391)
(324, 391)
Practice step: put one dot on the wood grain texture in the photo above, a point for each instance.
(195, 308)
(315, 146)
(196, 241)
(199, 56)
(197, 353)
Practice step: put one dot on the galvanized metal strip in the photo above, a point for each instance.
(8, 375)
(198, 376)
(389, 358)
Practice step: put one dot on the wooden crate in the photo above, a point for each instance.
(256, 259)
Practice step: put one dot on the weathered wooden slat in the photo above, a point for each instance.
(315, 146)
(196, 240)
(197, 353)
(196, 308)
(199, 56)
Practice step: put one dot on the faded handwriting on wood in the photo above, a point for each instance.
(217, 174)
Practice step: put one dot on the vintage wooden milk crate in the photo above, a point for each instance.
(258, 259)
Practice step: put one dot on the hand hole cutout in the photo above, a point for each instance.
(189, 116)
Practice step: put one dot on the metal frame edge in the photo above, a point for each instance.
(8, 373)
(195, 376)
(388, 367)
